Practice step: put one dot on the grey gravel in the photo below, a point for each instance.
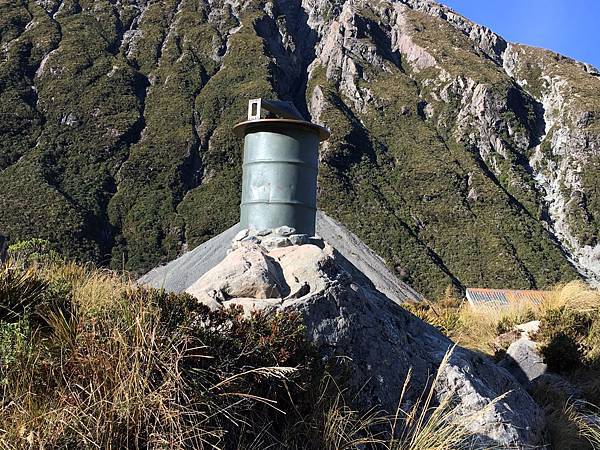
(182, 272)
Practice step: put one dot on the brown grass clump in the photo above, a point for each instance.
(89, 359)
(92, 360)
(569, 340)
(571, 312)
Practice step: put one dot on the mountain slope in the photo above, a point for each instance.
(457, 156)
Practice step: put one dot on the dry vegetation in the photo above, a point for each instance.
(568, 339)
(88, 359)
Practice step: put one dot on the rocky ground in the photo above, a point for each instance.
(347, 317)
(181, 273)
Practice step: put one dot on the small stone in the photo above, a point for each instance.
(524, 361)
(275, 242)
(284, 231)
(208, 299)
(69, 120)
(250, 240)
(298, 239)
(529, 329)
(253, 304)
(241, 235)
(503, 341)
(261, 233)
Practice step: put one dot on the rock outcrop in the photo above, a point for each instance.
(346, 316)
(179, 274)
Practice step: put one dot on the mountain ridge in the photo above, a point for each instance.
(459, 157)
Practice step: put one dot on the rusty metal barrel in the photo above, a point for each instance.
(281, 157)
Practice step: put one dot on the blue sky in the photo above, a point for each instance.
(570, 27)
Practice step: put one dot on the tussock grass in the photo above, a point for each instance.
(575, 295)
(91, 360)
(478, 328)
(105, 363)
(569, 340)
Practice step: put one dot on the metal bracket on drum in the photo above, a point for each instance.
(280, 108)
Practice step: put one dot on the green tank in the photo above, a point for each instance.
(281, 158)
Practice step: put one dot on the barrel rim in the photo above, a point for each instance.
(243, 128)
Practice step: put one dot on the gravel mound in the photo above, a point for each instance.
(181, 273)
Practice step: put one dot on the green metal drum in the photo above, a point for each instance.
(279, 187)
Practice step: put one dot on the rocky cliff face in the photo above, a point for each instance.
(459, 157)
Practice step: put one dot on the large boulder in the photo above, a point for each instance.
(179, 274)
(246, 273)
(346, 316)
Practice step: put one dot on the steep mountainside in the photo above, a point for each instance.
(459, 157)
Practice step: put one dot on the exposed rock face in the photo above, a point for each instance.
(247, 272)
(458, 157)
(345, 317)
(568, 154)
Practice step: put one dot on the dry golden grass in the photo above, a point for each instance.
(478, 328)
(575, 295)
(104, 371)
(569, 340)
(113, 365)
(109, 367)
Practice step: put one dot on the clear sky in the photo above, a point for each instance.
(569, 27)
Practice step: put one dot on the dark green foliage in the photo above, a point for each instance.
(29, 305)
(21, 292)
(588, 202)
(570, 339)
(120, 151)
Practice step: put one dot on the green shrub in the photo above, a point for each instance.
(14, 343)
(33, 250)
(565, 337)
